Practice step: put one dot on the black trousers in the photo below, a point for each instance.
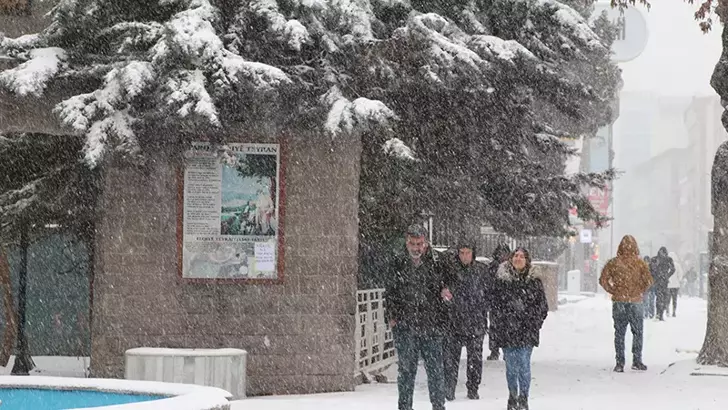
(453, 348)
(663, 298)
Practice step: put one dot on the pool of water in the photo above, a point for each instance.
(42, 399)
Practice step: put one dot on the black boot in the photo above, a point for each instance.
(619, 368)
(512, 403)
(639, 366)
(522, 403)
(473, 394)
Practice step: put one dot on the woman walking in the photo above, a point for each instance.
(521, 308)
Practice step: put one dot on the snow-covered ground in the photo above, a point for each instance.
(572, 370)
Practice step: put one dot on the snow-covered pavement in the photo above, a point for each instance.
(572, 370)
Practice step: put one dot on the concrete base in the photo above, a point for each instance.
(222, 368)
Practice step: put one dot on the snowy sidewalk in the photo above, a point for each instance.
(572, 370)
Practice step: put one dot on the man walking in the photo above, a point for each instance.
(468, 320)
(664, 269)
(626, 278)
(415, 309)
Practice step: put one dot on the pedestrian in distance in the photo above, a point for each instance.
(664, 268)
(649, 298)
(674, 283)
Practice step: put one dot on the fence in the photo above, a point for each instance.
(374, 341)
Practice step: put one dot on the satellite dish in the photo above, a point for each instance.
(632, 37)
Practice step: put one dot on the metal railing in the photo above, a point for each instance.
(375, 343)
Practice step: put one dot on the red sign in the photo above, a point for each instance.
(599, 198)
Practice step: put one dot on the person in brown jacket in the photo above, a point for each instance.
(626, 278)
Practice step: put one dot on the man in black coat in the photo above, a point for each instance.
(664, 267)
(415, 309)
(467, 280)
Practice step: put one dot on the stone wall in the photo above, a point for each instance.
(299, 334)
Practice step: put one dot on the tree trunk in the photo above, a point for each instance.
(11, 329)
(715, 346)
(23, 362)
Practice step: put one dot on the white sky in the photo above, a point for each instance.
(679, 58)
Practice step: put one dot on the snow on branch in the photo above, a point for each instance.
(118, 126)
(32, 76)
(446, 47)
(571, 19)
(506, 50)
(345, 115)
(291, 32)
(188, 91)
(190, 34)
(14, 202)
(24, 42)
(134, 34)
(399, 149)
(262, 76)
(121, 85)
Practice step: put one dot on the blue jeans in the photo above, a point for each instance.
(625, 313)
(518, 369)
(410, 346)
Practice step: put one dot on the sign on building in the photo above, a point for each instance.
(585, 236)
(231, 203)
(599, 198)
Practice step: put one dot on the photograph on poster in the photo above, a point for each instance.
(247, 197)
(230, 216)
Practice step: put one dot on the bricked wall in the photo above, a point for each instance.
(300, 334)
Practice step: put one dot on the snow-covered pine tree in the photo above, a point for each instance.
(478, 91)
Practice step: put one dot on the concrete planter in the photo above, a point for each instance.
(222, 368)
(549, 272)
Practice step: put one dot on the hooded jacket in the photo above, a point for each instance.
(627, 276)
(664, 268)
(470, 290)
(519, 307)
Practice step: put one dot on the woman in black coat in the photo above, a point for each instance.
(520, 309)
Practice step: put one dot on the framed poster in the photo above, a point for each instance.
(231, 212)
